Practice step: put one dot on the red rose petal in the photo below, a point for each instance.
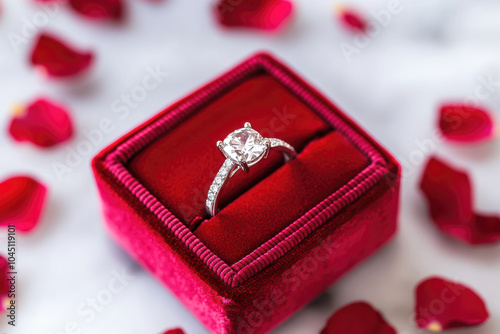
(174, 331)
(462, 123)
(449, 194)
(43, 123)
(259, 14)
(352, 20)
(4, 285)
(21, 202)
(99, 9)
(357, 318)
(57, 59)
(442, 304)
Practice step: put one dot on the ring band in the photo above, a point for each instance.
(242, 149)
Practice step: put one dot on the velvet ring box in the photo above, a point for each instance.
(285, 233)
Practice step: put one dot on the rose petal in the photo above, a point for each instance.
(357, 318)
(112, 10)
(352, 20)
(21, 202)
(56, 59)
(442, 304)
(174, 331)
(259, 14)
(4, 285)
(462, 123)
(449, 194)
(43, 123)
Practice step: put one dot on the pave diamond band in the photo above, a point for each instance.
(242, 149)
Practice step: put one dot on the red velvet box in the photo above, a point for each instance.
(285, 233)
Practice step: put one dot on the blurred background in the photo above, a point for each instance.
(391, 82)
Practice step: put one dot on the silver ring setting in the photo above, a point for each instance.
(242, 149)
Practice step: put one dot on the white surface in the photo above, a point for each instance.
(430, 52)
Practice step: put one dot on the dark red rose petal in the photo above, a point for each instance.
(462, 123)
(449, 194)
(4, 285)
(259, 14)
(21, 202)
(112, 10)
(357, 318)
(352, 20)
(442, 304)
(43, 123)
(174, 331)
(57, 59)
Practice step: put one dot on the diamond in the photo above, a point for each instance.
(211, 196)
(244, 144)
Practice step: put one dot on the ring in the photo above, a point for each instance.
(242, 149)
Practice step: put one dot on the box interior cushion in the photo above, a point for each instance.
(324, 166)
(179, 167)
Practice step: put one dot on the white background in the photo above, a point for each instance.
(430, 52)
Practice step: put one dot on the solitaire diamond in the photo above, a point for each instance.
(246, 144)
(242, 149)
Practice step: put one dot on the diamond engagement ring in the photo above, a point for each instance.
(242, 149)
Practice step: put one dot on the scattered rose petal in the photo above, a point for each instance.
(4, 284)
(449, 194)
(43, 123)
(21, 202)
(57, 59)
(352, 20)
(357, 318)
(462, 123)
(259, 14)
(174, 331)
(442, 304)
(112, 10)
